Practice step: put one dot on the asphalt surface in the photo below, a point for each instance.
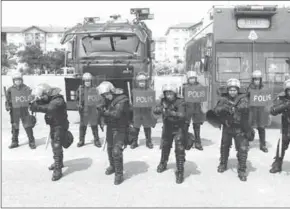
(26, 180)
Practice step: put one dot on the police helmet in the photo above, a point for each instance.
(191, 74)
(170, 87)
(233, 82)
(287, 84)
(87, 77)
(142, 76)
(17, 75)
(105, 87)
(40, 90)
(257, 74)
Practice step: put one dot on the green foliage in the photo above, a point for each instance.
(37, 59)
(7, 54)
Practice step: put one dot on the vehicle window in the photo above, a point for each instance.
(113, 43)
(228, 67)
(277, 69)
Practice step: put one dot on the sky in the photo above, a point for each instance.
(68, 14)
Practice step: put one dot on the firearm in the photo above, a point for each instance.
(6, 98)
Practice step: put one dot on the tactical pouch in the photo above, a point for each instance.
(48, 120)
(130, 136)
(32, 121)
(68, 140)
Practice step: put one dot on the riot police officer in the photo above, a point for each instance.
(51, 102)
(172, 109)
(233, 109)
(87, 110)
(194, 111)
(116, 112)
(143, 115)
(17, 103)
(258, 117)
(282, 106)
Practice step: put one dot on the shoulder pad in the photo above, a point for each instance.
(120, 99)
(179, 101)
(281, 94)
(55, 91)
(118, 91)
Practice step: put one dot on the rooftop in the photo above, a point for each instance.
(182, 26)
(46, 29)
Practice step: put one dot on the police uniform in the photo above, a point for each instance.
(142, 116)
(18, 112)
(54, 107)
(88, 112)
(234, 113)
(173, 114)
(194, 112)
(117, 118)
(282, 106)
(259, 117)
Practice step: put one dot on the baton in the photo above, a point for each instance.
(129, 92)
(104, 145)
(47, 141)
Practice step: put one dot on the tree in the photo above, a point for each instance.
(8, 53)
(32, 56)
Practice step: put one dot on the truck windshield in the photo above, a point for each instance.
(111, 45)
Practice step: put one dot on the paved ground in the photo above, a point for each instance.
(26, 179)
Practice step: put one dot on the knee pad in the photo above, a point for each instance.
(117, 152)
(179, 147)
(15, 125)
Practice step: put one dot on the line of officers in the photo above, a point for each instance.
(115, 111)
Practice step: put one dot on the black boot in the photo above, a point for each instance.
(95, 131)
(224, 151)
(196, 129)
(262, 137)
(148, 138)
(15, 134)
(82, 134)
(111, 169)
(242, 167)
(164, 159)
(118, 170)
(135, 140)
(277, 165)
(180, 159)
(29, 132)
(188, 139)
(58, 165)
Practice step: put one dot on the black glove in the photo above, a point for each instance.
(157, 110)
(7, 106)
(47, 119)
(33, 107)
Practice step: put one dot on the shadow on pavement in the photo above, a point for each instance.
(190, 168)
(77, 165)
(206, 142)
(233, 163)
(286, 167)
(40, 141)
(134, 168)
(256, 144)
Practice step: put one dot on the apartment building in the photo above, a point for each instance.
(176, 38)
(48, 38)
(160, 49)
